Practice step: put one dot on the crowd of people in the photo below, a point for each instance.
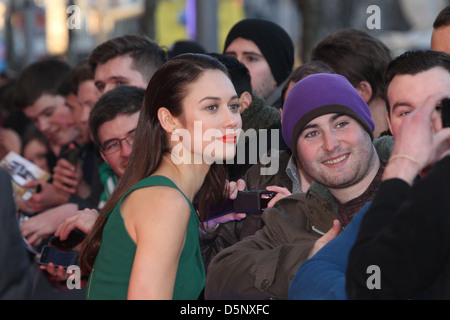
(144, 144)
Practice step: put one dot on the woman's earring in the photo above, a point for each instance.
(175, 136)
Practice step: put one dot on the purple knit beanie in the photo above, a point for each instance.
(321, 94)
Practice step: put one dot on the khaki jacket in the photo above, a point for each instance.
(262, 265)
(234, 231)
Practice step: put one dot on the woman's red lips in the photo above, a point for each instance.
(229, 138)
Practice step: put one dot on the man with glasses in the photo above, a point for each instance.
(116, 149)
(113, 122)
(115, 145)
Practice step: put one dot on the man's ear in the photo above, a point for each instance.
(365, 90)
(168, 122)
(103, 156)
(244, 101)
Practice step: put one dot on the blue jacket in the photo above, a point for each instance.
(323, 276)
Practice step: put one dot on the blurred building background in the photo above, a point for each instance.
(70, 29)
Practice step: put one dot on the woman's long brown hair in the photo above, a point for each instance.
(167, 88)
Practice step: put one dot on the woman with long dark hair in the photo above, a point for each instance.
(145, 243)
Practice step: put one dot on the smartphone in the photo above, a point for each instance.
(76, 236)
(445, 112)
(58, 257)
(253, 201)
(72, 154)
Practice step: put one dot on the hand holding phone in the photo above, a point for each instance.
(56, 273)
(72, 153)
(75, 237)
(254, 201)
(66, 176)
(281, 192)
(57, 257)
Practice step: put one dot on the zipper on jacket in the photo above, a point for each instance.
(317, 230)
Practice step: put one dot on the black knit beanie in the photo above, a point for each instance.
(274, 42)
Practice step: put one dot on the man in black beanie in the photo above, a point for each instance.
(267, 51)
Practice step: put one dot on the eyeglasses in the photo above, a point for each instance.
(115, 145)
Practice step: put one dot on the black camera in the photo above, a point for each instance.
(253, 201)
(445, 112)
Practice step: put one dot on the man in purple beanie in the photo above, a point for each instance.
(329, 129)
(267, 51)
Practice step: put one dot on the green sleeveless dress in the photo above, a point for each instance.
(110, 276)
